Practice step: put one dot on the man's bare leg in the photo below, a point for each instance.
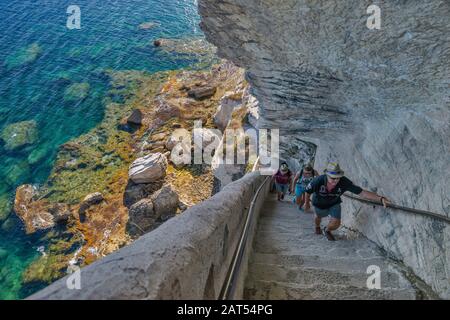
(317, 221)
(332, 225)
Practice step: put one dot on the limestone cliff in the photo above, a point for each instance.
(376, 100)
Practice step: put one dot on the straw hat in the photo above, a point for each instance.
(333, 170)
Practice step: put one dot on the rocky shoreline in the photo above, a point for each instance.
(116, 182)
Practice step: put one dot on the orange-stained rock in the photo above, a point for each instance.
(34, 214)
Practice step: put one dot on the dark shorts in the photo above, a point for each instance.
(334, 212)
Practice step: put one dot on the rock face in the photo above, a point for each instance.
(20, 134)
(148, 169)
(375, 100)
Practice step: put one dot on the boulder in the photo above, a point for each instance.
(135, 192)
(135, 118)
(148, 169)
(202, 92)
(141, 217)
(165, 202)
(34, 214)
(19, 134)
(145, 214)
(90, 200)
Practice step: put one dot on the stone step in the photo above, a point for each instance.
(322, 247)
(311, 276)
(272, 290)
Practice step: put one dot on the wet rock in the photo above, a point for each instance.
(202, 93)
(148, 169)
(19, 134)
(135, 118)
(34, 214)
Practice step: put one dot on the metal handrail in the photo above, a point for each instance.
(397, 207)
(229, 284)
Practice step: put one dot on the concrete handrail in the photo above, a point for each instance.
(185, 258)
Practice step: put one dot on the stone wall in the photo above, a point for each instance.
(185, 258)
(375, 100)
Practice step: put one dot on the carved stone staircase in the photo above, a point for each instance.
(289, 261)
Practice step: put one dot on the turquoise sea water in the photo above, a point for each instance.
(39, 60)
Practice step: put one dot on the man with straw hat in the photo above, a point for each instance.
(327, 190)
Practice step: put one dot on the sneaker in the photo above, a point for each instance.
(318, 230)
(328, 234)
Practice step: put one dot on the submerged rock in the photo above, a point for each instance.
(20, 134)
(23, 57)
(77, 91)
(5, 207)
(148, 169)
(148, 25)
